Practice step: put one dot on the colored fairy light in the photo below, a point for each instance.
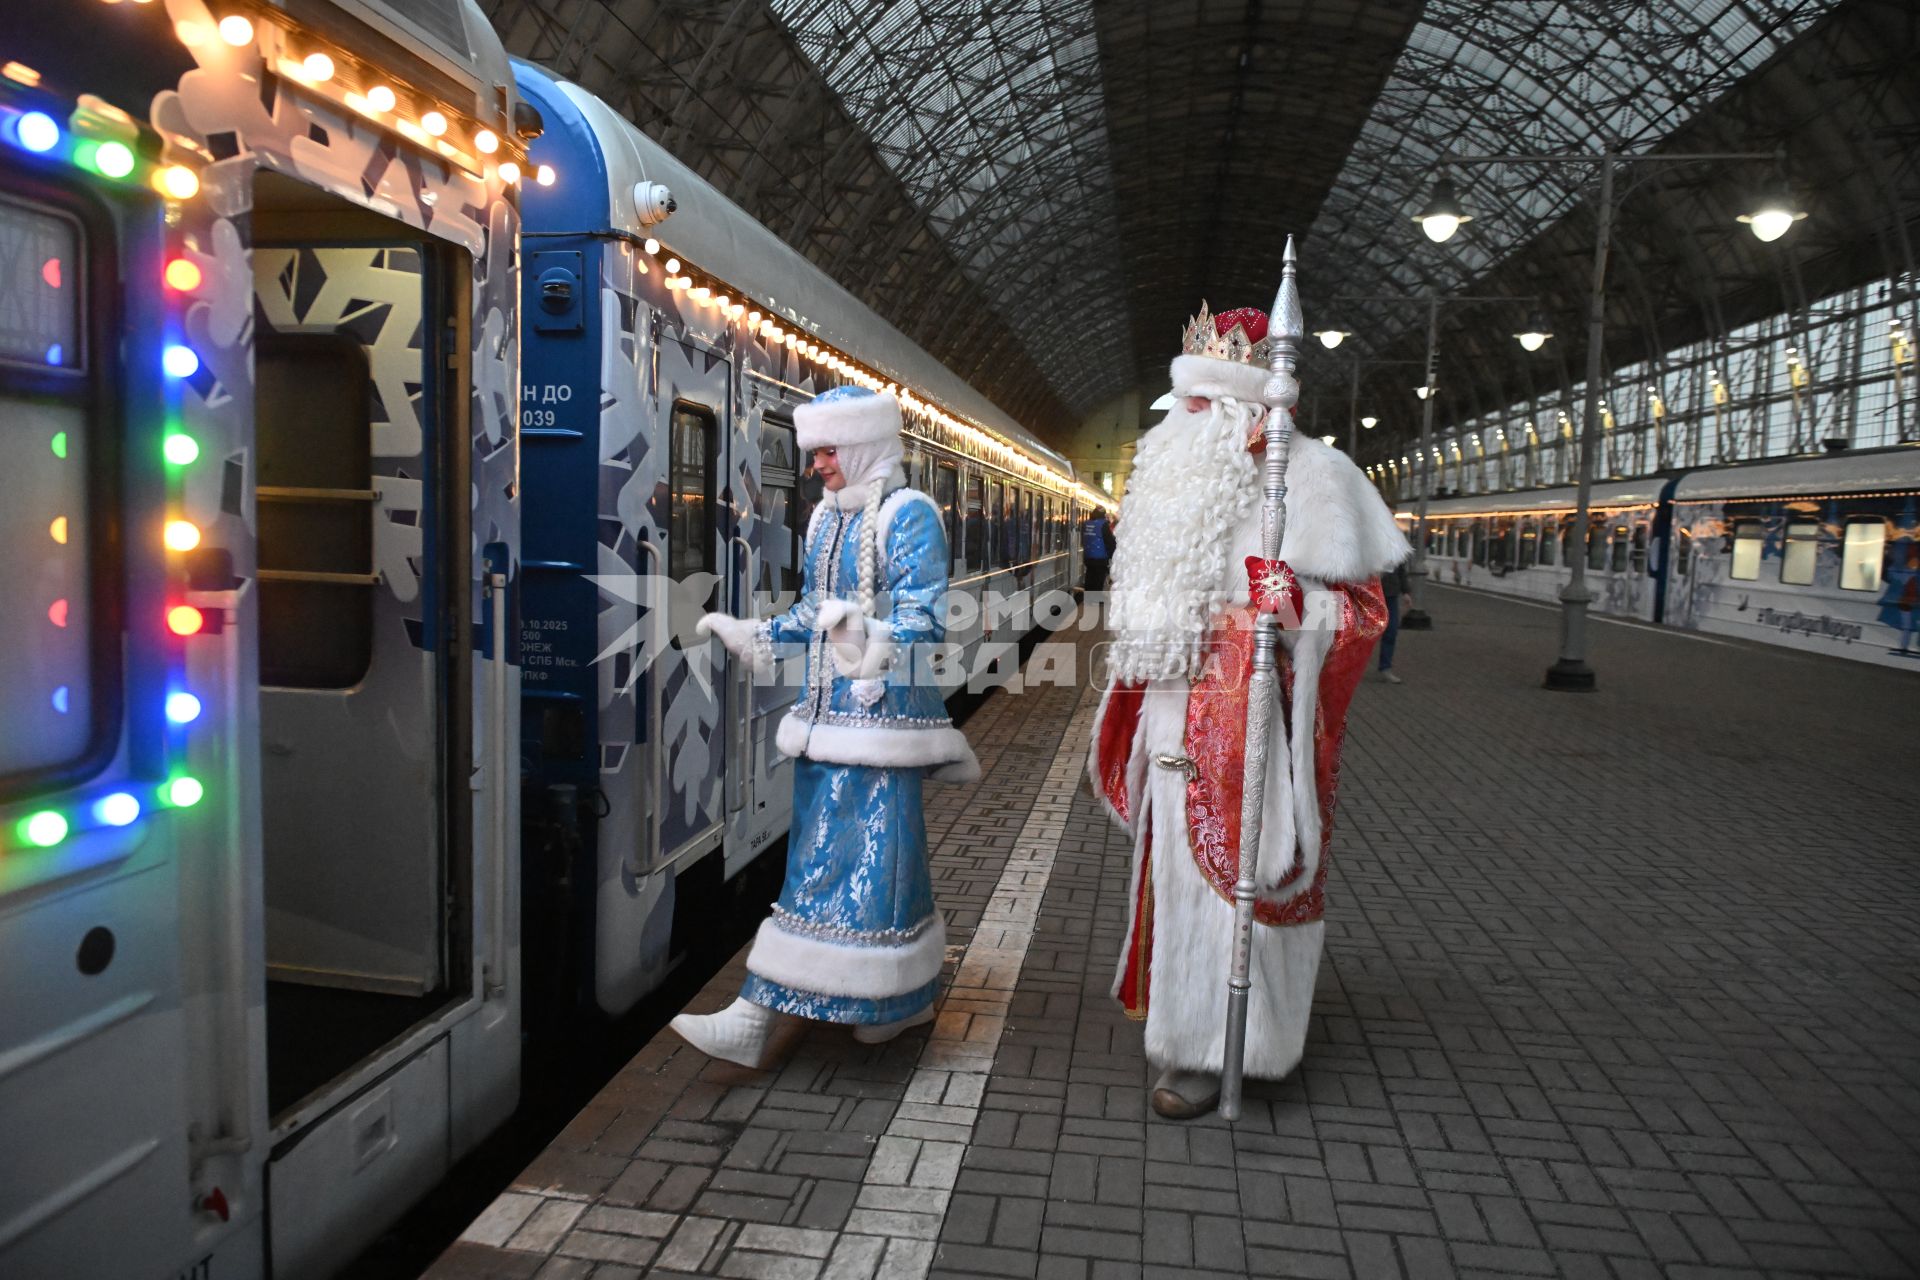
(59, 530)
(673, 266)
(318, 67)
(185, 620)
(381, 98)
(544, 175)
(182, 707)
(236, 30)
(62, 699)
(50, 273)
(486, 142)
(114, 159)
(184, 792)
(37, 131)
(434, 123)
(56, 353)
(21, 73)
(57, 612)
(177, 182)
(116, 810)
(181, 535)
(179, 361)
(180, 449)
(44, 829)
(182, 275)
(509, 171)
(59, 444)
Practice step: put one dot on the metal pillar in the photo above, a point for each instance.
(1572, 672)
(1416, 618)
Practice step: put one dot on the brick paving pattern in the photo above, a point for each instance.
(1616, 985)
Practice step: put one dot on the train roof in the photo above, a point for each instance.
(719, 236)
(1871, 472)
(1644, 491)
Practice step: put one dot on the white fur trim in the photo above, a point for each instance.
(857, 420)
(880, 747)
(1338, 529)
(847, 969)
(1214, 379)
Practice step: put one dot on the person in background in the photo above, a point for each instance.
(1393, 585)
(1096, 549)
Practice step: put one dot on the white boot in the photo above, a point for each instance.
(881, 1032)
(738, 1033)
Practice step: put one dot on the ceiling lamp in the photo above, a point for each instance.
(1538, 330)
(1443, 214)
(1330, 338)
(1774, 215)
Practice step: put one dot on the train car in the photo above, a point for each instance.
(668, 339)
(1819, 554)
(1518, 543)
(258, 794)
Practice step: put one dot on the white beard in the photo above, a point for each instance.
(1193, 483)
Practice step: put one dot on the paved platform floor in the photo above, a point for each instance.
(1617, 985)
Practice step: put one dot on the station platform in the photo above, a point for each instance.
(1617, 984)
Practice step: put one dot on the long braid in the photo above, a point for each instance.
(870, 544)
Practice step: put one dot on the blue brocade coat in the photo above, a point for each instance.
(855, 936)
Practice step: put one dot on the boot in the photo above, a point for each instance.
(738, 1033)
(881, 1032)
(1183, 1095)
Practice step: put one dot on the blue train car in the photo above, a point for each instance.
(668, 338)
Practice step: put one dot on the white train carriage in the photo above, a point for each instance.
(669, 337)
(258, 796)
(1819, 554)
(1519, 544)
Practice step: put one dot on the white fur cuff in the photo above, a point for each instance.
(856, 420)
(850, 969)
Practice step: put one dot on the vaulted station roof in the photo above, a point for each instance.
(1040, 191)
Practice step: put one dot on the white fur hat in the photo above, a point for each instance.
(845, 416)
(1224, 355)
(1206, 376)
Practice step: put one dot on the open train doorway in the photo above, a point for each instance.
(365, 604)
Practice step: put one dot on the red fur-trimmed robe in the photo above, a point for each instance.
(1185, 822)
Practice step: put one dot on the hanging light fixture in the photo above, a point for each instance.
(1369, 422)
(1774, 214)
(1330, 338)
(1443, 215)
(1538, 330)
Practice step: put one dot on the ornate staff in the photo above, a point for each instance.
(1285, 329)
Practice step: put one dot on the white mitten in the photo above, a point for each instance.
(859, 645)
(745, 639)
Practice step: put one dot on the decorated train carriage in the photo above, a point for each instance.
(257, 803)
(1820, 554)
(668, 338)
(1519, 543)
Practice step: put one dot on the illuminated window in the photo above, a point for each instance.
(976, 518)
(55, 699)
(946, 496)
(690, 482)
(1749, 537)
(1862, 554)
(1682, 552)
(1802, 552)
(784, 508)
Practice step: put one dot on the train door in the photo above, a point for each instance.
(352, 645)
(698, 689)
(784, 503)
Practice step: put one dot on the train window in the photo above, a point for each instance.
(690, 484)
(55, 699)
(1549, 540)
(1529, 544)
(976, 518)
(1640, 548)
(946, 496)
(1749, 536)
(783, 511)
(314, 505)
(1597, 543)
(1024, 552)
(1862, 554)
(1619, 548)
(1003, 526)
(1802, 551)
(1480, 542)
(1682, 552)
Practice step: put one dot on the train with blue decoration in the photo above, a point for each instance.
(382, 413)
